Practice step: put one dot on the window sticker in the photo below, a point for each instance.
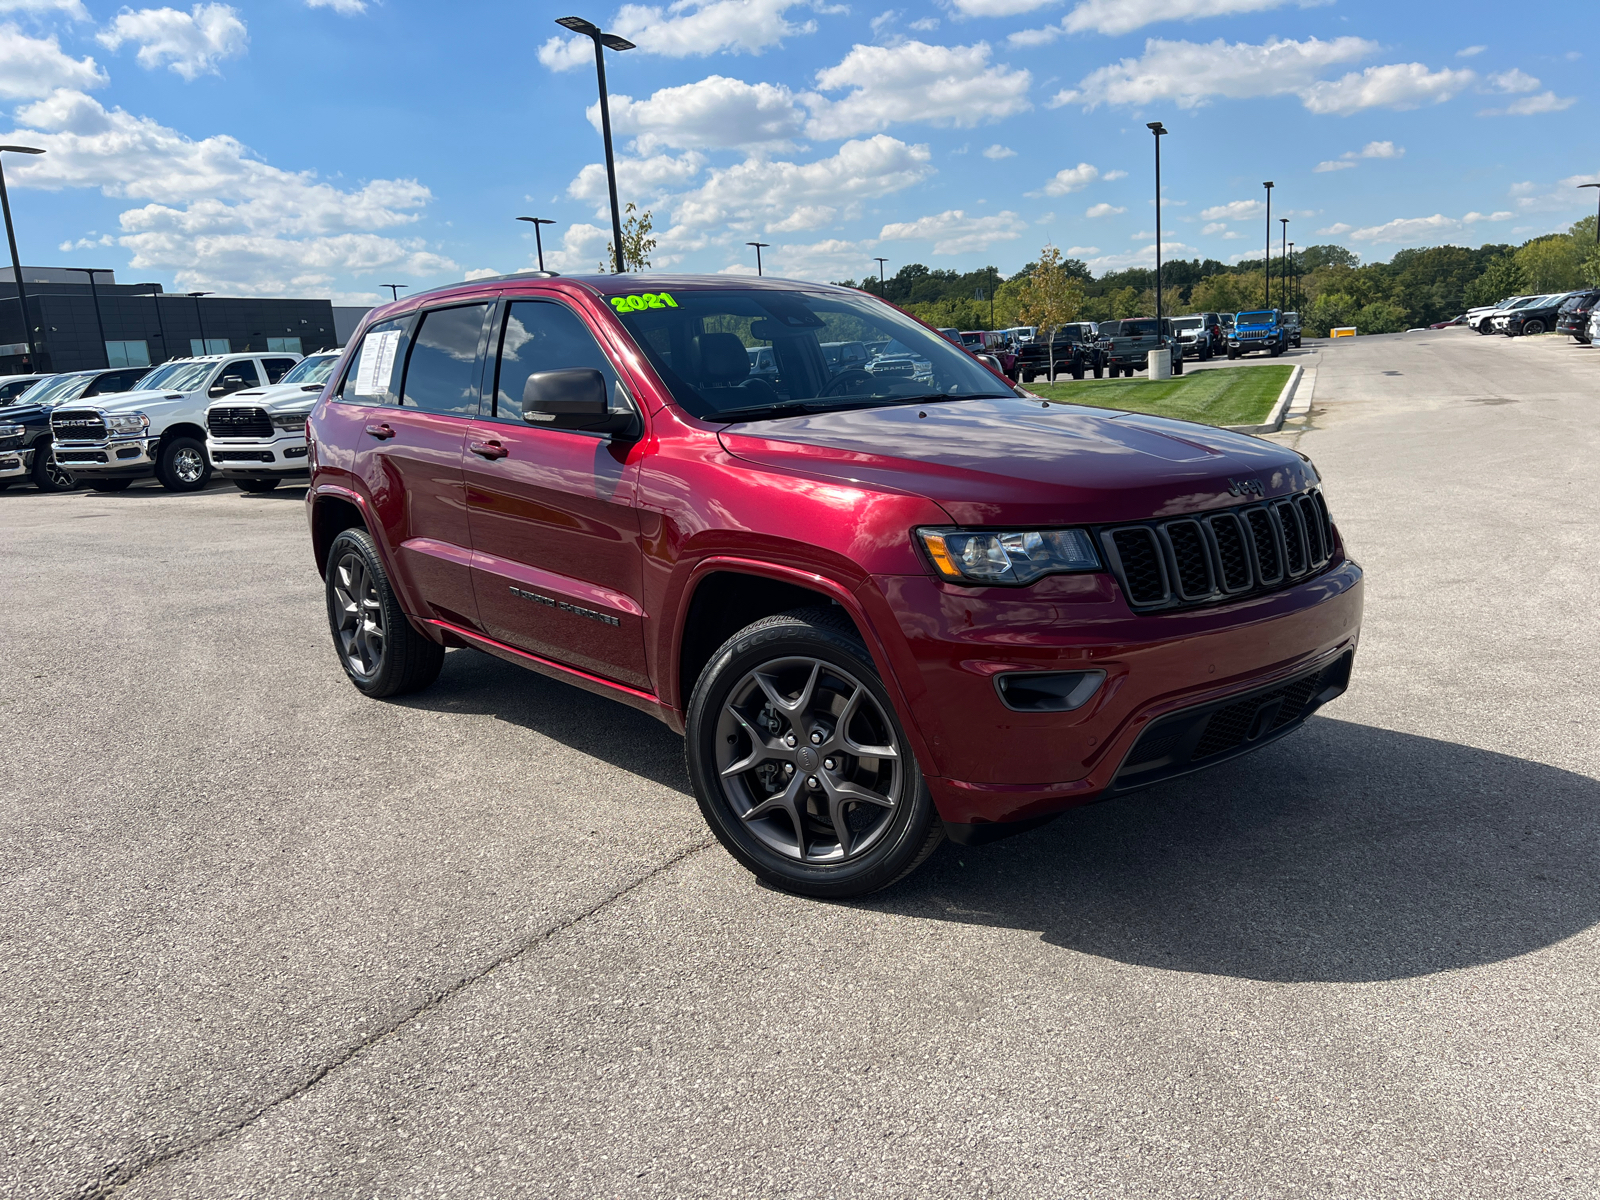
(376, 367)
(642, 301)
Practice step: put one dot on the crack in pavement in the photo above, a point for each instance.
(128, 1173)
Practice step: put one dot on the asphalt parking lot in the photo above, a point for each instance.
(264, 937)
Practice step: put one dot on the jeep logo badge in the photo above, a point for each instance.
(1245, 487)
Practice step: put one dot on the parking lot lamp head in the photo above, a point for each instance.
(1582, 185)
(1266, 263)
(538, 242)
(16, 263)
(758, 246)
(394, 290)
(1159, 130)
(602, 42)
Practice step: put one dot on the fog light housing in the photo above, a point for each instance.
(1047, 691)
(128, 452)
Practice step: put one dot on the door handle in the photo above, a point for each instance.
(381, 432)
(488, 449)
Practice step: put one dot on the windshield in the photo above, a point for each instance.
(176, 377)
(767, 353)
(1138, 327)
(1188, 323)
(56, 389)
(1256, 318)
(312, 370)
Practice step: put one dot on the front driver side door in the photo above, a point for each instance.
(556, 558)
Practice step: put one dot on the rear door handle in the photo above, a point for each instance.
(488, 449)
(381, 432)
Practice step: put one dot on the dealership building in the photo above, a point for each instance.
(83, 319)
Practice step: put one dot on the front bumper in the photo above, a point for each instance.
(15, 463)
(116, 457)
(991, 765)
(259, 458)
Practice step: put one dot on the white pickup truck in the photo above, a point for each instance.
(257, 438)
(158, 428)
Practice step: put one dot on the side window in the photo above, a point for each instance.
(542, 335)
(235, 377)
(276, 368)
(442, 374)
(374, 373)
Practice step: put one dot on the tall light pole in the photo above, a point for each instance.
(1582, 185)
(16, 263)
(1159, 130)
(602, 42)
(99, 323)
(537, 240)
(161, 327)
(1283, 292)
(394, 290)
(198, 316)
(880, 262)
(1294, 271)
(758, 246)
(1266, 265)
(994, 277)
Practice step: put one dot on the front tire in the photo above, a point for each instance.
(1177, 366)
(1533, 328)
(255, 487)
(47, 475)
(799, 763)
(377, 647)
(1232, 354)
(182, 465)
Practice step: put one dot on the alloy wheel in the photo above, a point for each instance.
(360, 615)
(58, 477)
(188, 464)
(809, 761)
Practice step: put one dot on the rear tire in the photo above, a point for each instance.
(110, 485)
(1533, 328)
(805, 676)
(182, 466)
(47, 476)
(255, 486)
(377, 646)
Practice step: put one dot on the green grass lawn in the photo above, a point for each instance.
(1225, 396)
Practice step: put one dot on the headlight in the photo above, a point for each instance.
(11, 431)
(289, 420)
(984, 557)
(126, 423)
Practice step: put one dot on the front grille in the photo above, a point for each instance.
(78, 425)
(1202, 560)
(239, 423)
(241, 456)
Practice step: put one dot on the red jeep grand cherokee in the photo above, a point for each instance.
(885, 595)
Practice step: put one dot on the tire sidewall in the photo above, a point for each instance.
(381, 682)
(168, 477)
(764, 642)
(42, 454)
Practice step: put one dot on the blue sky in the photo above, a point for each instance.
(322, 147)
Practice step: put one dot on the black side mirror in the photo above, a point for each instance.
(571, 399)
(991, 362)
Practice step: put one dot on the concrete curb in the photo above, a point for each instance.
(1280, 410)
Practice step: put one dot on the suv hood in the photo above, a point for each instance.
(148, 402)
(280, 398)
(1015, 461)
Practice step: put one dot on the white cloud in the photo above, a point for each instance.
(68, 8)
(954, 232)
(913, 81)
(1333, 164)
(1236, 210)
(926, 25)
(1145, 257)
(1080, 251)
(1532, 106)
(643, 180)
(580, 250)
(1472, 218)
(715, 112)
(1370, 150)
(997, 152)
(1232, 235)
(1115, 17)
(1471, 51)
(190, 43)
(997, 8)
(1398, 85)
(1513, 81)
(1071, 179)
(685, 29)
(32, 67)
(1408, 229)
(1110, 175)
(216, 216)
(887, 17)
(345, 8)
(1103, 210)
(1214, 228)
(1335, 230)
(832, 258)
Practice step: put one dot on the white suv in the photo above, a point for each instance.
(158, 428)
(257, 437)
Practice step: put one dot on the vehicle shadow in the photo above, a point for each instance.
(1342, 854)
(480, 684)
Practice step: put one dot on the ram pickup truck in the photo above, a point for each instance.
(257, 438)
(25, 449)
(1127, 344)
(158, 427)
(1262, 329)
(1075, 353)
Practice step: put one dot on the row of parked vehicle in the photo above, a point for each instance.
(1121, 347)
(242, 416)
(1575, 314)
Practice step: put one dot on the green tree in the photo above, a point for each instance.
(1051, 298)
(1226, 293)
(1125, 303)
(1551, 264)
(1313, 257)
(637, 244)
(1502, 279)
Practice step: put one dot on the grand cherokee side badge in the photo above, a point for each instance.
(1245, 487)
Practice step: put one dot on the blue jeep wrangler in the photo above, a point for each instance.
(1260, 330)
